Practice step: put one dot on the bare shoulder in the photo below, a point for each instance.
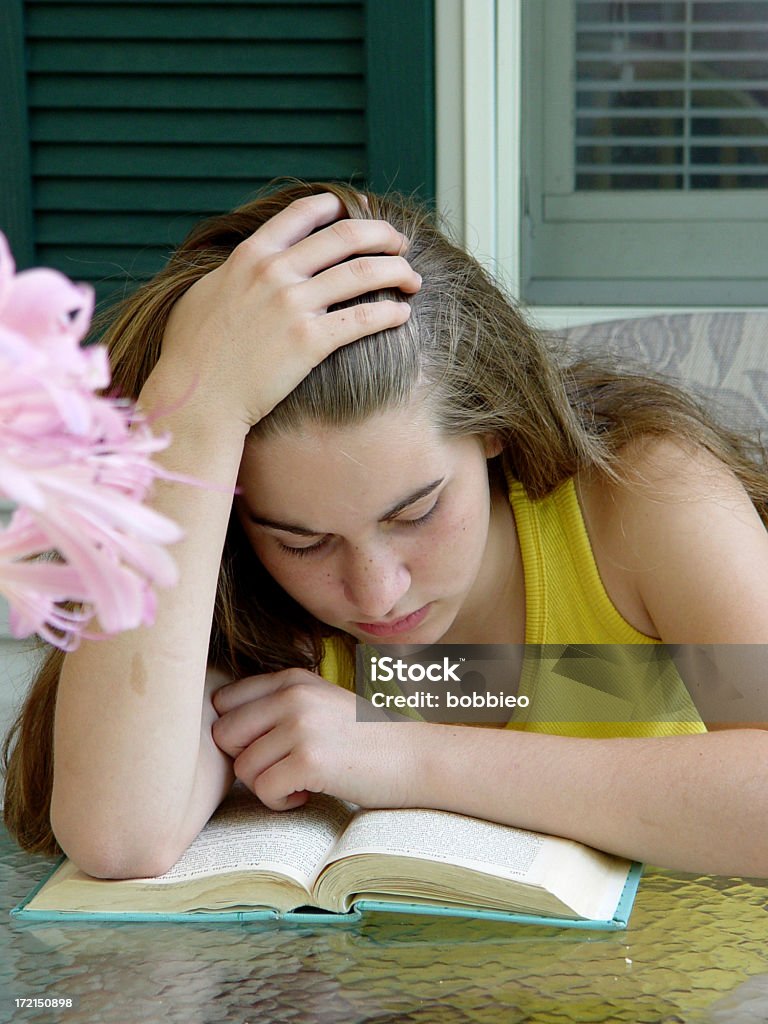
(660, 479)
(677, 538)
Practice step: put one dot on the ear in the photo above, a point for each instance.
(492, 446)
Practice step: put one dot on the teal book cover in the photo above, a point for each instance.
(330, 862)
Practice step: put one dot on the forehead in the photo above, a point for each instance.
(369, 465)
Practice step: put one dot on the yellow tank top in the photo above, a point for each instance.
(586, 670)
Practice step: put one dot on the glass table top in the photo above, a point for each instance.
(696, 950)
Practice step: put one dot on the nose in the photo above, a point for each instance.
(375, 579)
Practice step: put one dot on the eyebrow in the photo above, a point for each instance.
(304, 531)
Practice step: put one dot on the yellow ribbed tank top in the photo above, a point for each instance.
(586, 671)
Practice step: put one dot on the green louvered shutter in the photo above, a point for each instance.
(144, 116)
(125, 122)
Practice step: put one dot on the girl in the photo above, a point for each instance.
(413, 466)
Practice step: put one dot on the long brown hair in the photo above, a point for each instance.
(466, 346)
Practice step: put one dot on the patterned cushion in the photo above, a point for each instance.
(721, 357)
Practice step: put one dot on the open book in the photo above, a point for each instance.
(251, 862)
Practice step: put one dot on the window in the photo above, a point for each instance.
(645, 152)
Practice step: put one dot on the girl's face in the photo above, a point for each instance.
(379, 529)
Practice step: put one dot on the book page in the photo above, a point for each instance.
(244, 834)
(442, 836)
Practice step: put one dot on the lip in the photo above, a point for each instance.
(397, 626)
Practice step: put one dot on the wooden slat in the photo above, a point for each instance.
(189, 126)
(218, 21)
(183, 161)
(196, 91)
(154, 229)
(193, 3)
(181, 58)
(132, 194)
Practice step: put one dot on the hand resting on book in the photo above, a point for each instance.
(292, 733)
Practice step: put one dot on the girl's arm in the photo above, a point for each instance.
(688, 550)
(136, 771)
(682, 546)
(696, 803)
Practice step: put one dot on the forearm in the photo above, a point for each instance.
(131, 748)
(697, 803)
(128, 716)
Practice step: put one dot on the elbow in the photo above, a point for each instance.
(100, 860)
(113, 866)
(111, 854)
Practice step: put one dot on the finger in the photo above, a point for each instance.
(261, 755)
(276, 786)
(358, 277)
(343, 326)
(251, 688)
(237, 729)
(296, 221)
(341, 240)
(288, 803)
(245, 690)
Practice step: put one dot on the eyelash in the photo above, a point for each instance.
(302, 552)
(313, 548)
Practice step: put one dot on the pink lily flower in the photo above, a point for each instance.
(77, 467)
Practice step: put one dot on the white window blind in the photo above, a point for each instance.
(671, 95)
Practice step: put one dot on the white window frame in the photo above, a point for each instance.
(479, 179)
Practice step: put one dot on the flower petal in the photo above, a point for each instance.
(78, 464)
(43, 304)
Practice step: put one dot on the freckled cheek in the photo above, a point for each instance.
(448, 552)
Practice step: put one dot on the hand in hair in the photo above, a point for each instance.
(292, 733)
(248, 332)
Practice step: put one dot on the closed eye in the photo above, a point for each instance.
(310, 549)
(419, 520)
(302, 552)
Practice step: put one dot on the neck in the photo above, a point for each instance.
(494, 613)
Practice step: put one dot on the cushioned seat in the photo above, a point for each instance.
(723, 357)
